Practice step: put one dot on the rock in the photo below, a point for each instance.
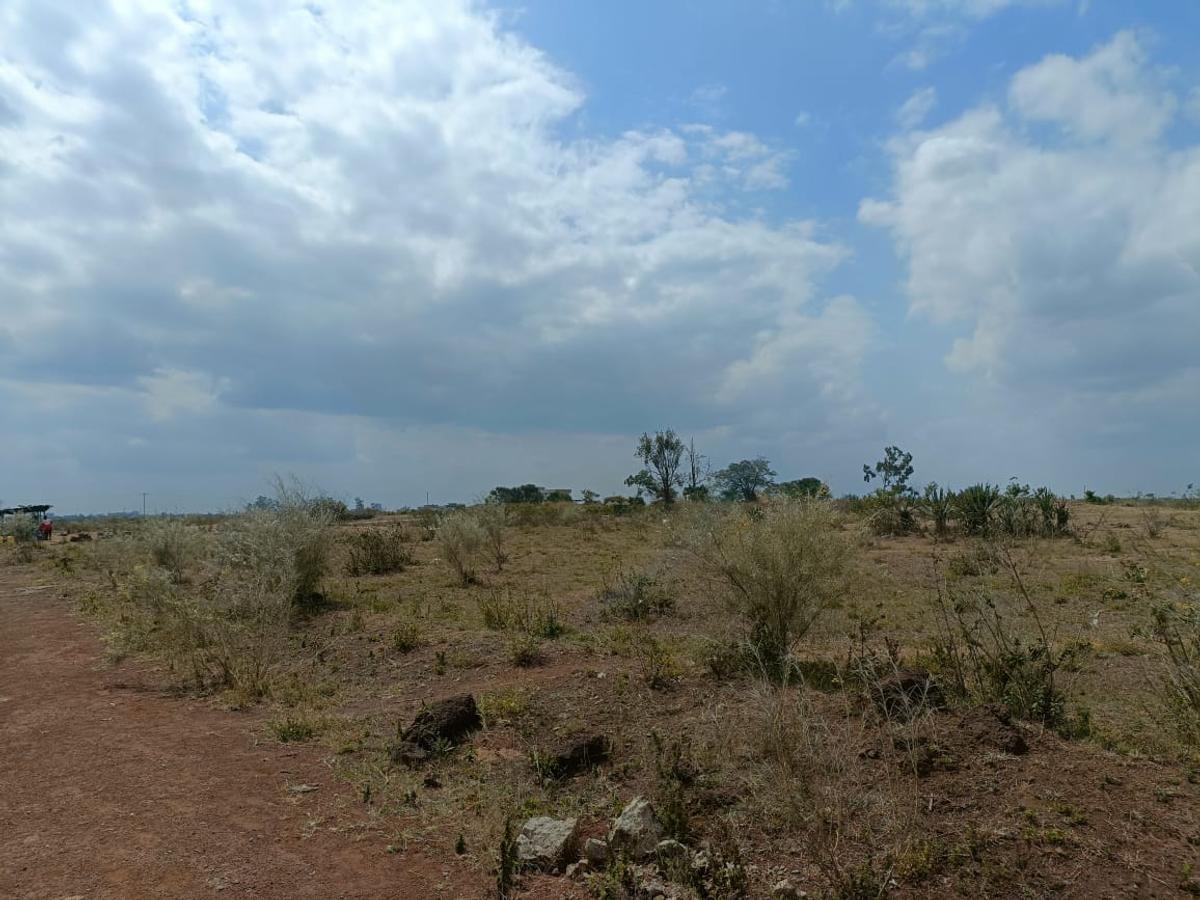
(595, 851)
(579, 754)
(637, 830)
(672, 852)
(451, 721)
(785, 890)
(900, 694)
(544, 843)
(575, 869)
(649, 884)
(409, 754)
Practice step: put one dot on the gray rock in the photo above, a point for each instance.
(577, 869)
(637, 830)
(649, 884)
(595, 851)
(544, 843)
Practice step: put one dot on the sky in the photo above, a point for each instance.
(408, 249)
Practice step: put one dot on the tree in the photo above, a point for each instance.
(661, 455)
(697, 472)
(803, 487)
(743, 480)
(894, 469)
(525, 493)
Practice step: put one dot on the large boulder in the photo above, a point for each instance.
(545, 843)
(637, 830)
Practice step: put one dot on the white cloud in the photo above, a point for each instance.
(1109, 94)
(916, 109)
(1073, 258)
(370, 209)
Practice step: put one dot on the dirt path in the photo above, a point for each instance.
(112, 789)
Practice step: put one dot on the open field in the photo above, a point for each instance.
(616, 626)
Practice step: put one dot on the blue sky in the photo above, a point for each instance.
(398, 247)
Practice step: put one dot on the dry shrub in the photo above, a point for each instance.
(21, 531)
(800, 772)
(460, 539)
(172, 545)
(377, 551)
(1175, 627)
(781, 565)
(493, 521)
(220, 614)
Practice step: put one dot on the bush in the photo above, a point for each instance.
(460, 539)
(980, 658)
(802, 488)
(22, 531)
(407, 637)
(493, 519)
(172, 545)
(975, 506)
(892, 512)
(377, 551)
(525, 493)
(1176, 629)
(228, 627)
(782, 568)
(502, 611)
(525, 652)
(636, 597)
(1056, 515)
(938, 504)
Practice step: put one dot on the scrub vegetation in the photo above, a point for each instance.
(991, 691)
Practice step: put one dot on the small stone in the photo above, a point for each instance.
(544, 843)
(637, 830)
(304, 788)
(785, 890)
(595, 851)
(576, 869)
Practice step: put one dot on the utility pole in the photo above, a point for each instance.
(144, 504)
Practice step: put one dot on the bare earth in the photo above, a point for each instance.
(109, 788)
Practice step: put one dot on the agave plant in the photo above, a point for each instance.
(938, 504)
(976, 506)
(1054, 511)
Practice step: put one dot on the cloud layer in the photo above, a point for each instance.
(377, 210)
(1060, 229)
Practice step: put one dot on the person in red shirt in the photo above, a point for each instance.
(45, 528)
